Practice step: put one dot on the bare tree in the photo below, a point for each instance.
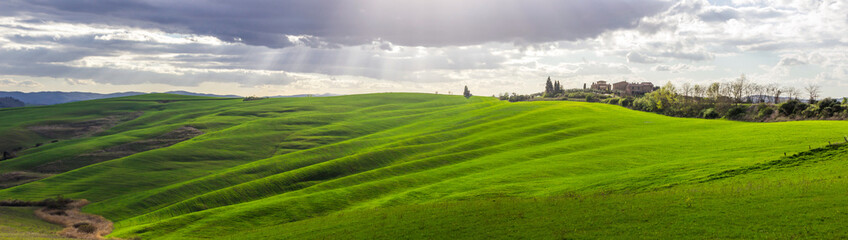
(792, 92)
(813, 90)
(697, 91)
(750, 90)
(763, 91)
(774, 90)
(797, 94)
(685, 90)
(739, 88)
(714, 91)
(726, 90)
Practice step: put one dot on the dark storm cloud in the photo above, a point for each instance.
(402, 22)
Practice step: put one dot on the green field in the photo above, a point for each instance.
(391, 166)
(21, 223)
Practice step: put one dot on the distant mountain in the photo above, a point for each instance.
(202, 94)
(8, 102)
(50, 98)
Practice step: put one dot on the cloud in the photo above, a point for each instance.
(689, 55)
(71, 81)
(595, 68)
(24, 83)
(718, 14)
(635, 57)
(403, 22)
(405, 45)
(679, 68)
(790, 61)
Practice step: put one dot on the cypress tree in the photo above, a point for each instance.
(549, 88)
(557, 88)
(466, 93)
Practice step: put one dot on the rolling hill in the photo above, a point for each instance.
(9, 102)
(403, 165)
(50, 98)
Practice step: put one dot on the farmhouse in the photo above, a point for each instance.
(601, 86)
(630, 89)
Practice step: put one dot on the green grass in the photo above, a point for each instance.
(315, 167)
(21, 223)
(806, 200)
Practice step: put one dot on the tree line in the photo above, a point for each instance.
(739, 99)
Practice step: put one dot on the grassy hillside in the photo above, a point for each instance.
(313, 167)
(21, 223)
(789, 198)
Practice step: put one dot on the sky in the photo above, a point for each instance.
(266, 48)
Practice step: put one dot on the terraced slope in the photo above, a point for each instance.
(275, 163)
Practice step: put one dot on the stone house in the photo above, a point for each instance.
(630, 89)
(601, 86)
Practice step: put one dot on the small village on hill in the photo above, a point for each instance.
(740, 99)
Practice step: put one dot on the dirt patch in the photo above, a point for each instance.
(82, 128)
(77, 224)
(11, 179)
(123, 150)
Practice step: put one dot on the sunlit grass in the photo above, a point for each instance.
(285, 164)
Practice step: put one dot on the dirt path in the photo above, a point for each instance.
(77, 224)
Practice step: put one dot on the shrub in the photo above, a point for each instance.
(591, 98)
(828, 107)
(811, 111)
(764, 111)
(643, 104)
(829, 102)
(626, 102)
(252, 98)
(60, 203)
(577, 95)
(710, 113)
(736, 112)
(85, 227)
(612, 100)
(791, 107)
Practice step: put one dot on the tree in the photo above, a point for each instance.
(738, 88)
(549, 88)
(466, 93)
(774, 90)
(714, 91)
(697, 92)
(663, 98)
(797, 92)
(670, 87)
(685, 90)
(813, 91)
(757, 89)
(791, 91)
(558, 88)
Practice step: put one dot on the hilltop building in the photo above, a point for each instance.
(601, 86)
(630, 89)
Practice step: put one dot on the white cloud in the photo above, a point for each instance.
(635, 57)
(72, 81)
(678, 68)
(24, 83)
(783, 41)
